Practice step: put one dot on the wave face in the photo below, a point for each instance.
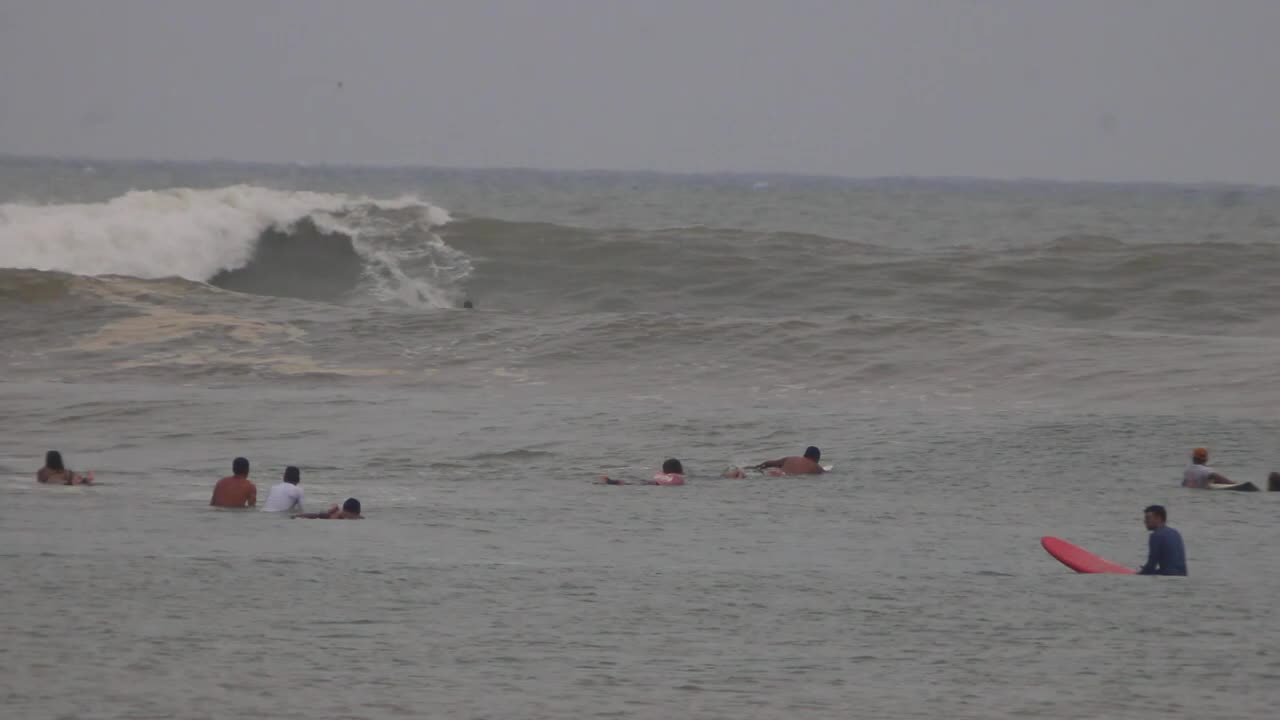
(1064, 281)
(315, 246)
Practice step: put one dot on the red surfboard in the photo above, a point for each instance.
(1081, 560)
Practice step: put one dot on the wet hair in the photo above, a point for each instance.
(469, 305)
(352, 505)
(240, 466)
(813, 453)
(292, 475)
(1158, 511)
(53, 460)
(673, 467)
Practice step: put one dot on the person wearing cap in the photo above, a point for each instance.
(1198, 474)
(350, 510)
(806, 465)
(1166, 555)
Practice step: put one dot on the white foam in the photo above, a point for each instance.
(189, 233)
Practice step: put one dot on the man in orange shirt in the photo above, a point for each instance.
(235, 491)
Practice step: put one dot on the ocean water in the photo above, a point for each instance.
(983, 363)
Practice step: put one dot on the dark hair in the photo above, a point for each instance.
(1157, 510)
(673, 466)
(352, 505)
(53, 460)
(813, 453)
(240, 466)
(292, 475)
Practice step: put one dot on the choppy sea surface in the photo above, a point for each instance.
(983, 363)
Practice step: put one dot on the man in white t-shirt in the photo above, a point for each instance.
(287, 496)
(1198, 474)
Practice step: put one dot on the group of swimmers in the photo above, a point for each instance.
(1166, 554)
(233, 491)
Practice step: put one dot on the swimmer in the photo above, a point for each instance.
(350, 510)
(807, 465)
(235, 490)
(672, 473)
(285, 496)
(55, 473)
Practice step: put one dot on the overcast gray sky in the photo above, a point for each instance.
(1177, 90)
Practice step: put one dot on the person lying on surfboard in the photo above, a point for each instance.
(672, 473)
(350, 510)
(54, 473)
(806, 465)
(1199, 475)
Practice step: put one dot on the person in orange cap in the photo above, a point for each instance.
(1198, 474)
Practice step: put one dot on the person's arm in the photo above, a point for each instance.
(253, 495)
(770, 463)
(1216, 479)
(1150, 567)
(297, 503)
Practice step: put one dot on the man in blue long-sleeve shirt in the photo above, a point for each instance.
(1166, 554)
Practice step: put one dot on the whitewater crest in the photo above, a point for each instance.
(205, 234)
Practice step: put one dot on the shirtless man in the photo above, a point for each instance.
(235, 491)
(350, 510)
(807, 465)
(54, 473)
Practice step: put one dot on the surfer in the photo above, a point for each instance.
(55, 473)
(672, 473)
(235, 490)
(285, 496)
(350, 510)
(806, 465)
(1198, 474)
(1165, 553)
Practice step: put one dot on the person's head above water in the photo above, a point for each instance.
(352, 506)
(813, 453)
(53, 460)
(1154, 516)
(292, 475)
(1200, 456)
(672, 467)
(240, 466)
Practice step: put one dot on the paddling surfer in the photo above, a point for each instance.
(1166, 554)
(350, 510)
(672, 473)
(805, 465)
